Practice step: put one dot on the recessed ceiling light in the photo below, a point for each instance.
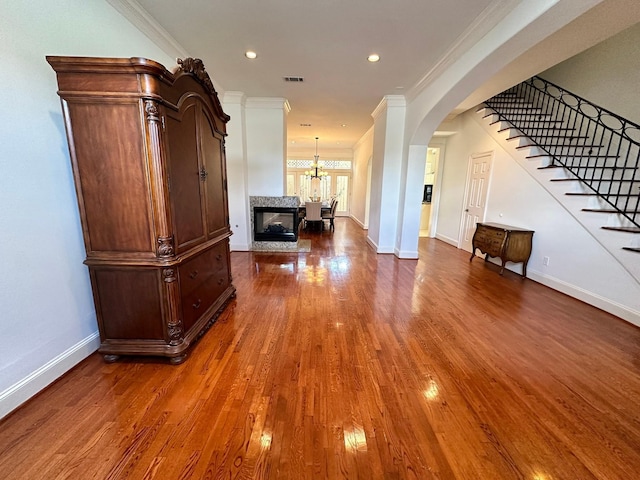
(374, 57)
(250, 54)
(343, 125)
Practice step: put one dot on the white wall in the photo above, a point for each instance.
(266, 131)
(604, 73)
(578, 266)
(362, 152)
(237, 171)
(47, 319)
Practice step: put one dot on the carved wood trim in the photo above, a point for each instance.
(160, 194)
(175, 328)
(175, 332)
(166, 246)
(169, 275)
(195, 67)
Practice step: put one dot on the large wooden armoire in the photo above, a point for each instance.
(148, 156)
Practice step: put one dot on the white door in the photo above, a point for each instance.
(342, 193)
(476, 196)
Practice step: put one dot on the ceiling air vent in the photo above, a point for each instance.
(294, 79)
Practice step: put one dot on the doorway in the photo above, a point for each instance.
(427, 213)
(336, 184)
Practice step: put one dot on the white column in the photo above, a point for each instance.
(237, 178)
(386, 174)
(411, 202)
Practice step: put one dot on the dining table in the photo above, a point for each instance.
(326, 207)
(302, 210)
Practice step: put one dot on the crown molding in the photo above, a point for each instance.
(234, 98)
(143, 21)
(487, 20)
(387, 102)
(364, 138)
(276, 103)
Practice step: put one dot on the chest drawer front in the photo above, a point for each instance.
(196, 302)
(200, 269)
(202, 280)
(489, 240)
(519, 246)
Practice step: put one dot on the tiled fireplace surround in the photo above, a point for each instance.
(282, 202)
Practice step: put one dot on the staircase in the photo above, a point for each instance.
(587, 157)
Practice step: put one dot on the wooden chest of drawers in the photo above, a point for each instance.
(510, 244)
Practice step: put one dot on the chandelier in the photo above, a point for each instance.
(316, 170)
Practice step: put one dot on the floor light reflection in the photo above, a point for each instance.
(432, 392)
(355, 440)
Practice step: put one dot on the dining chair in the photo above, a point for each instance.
(331, 214)
(313, 213)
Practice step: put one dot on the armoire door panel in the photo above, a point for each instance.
(212, 154)
(129, 303)
(107, 136)
(184, 177)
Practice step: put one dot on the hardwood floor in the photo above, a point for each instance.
(340, 363)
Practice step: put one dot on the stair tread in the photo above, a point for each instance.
(557, 129)
(607, 210)
(545, 129)
(595, 194)
(539, 115)
(600, 167)
(570, 145)
(573, 155)
(623, 229)
(521, 109)
(576, 179)
(524, 135)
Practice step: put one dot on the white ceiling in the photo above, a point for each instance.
(327, 42)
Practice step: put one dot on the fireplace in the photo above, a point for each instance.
(275, 224)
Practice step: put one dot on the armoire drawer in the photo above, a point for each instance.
(198, 270)
(196, 302)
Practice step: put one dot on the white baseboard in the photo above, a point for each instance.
(609, 306)
(448, 240)
(20, 392)
(239, 247)
(405, 255)
(372, 244)
(362, 225)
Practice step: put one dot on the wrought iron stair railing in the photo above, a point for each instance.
(597, 146)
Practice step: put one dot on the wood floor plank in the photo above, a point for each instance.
(341, 363)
